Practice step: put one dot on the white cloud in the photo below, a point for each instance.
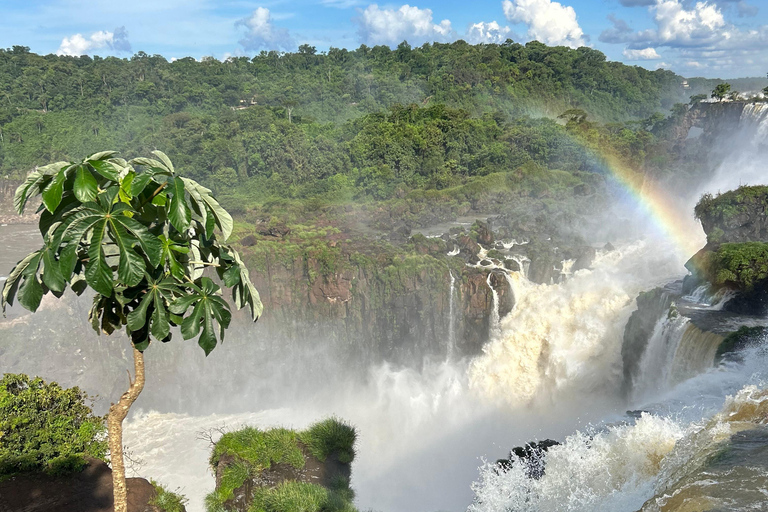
(392, 26)
(700, 38)
(262, 34)
(487, 33)
(644, 54)
(116, 40)
(549, 22)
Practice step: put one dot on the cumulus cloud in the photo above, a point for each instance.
(487, 33)
(699, 37)
(392, 26)
(644, 54)
(262, 34)
(676, 26)
(549, 22)
(117, 40)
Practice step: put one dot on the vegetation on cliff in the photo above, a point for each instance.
(249, 454)
(740, 265)
(44, 427)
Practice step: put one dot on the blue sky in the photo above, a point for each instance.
(718, 38)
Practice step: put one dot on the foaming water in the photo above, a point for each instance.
(564, 340)
(686, 451)
(422, 432)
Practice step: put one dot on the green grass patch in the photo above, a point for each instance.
(254, 451)
(167, 501)
(300, 497)
(329, 436)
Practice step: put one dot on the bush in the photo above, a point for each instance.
(167, 501)
(44, 427)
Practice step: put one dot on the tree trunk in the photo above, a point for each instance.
(117, 413)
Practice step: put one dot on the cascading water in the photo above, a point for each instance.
(755, 116)
(495, 320)
(451, 318)
(421, 432)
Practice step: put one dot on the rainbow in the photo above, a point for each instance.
(670, 216)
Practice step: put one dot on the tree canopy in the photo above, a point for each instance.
(140, 236)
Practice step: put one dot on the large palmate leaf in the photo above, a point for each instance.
(141, 237)
(208, 310)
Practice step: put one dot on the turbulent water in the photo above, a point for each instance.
(553, 369)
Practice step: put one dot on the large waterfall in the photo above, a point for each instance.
(552, 368)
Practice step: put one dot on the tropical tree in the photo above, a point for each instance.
(721, 91)
(141, 237)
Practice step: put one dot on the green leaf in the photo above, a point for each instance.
(101, 155)
(190, 326)
(68, 260)
(98, 274)
(85, 187)
(30, 293)
(105, 169)
(161, 326)
(53, 192)
(150, 244)
(166, 161)
(160, 199)
(52, 276)
(179, 213)
(137, 318)
(11, 284)
(130, 268)
(140, 183)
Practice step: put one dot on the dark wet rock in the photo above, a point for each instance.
(486, 263)
(609, 247)
(248, 241)
(504, 293)
(750, 303)
(651, 306)
(583, 256)
(484, 233)
(400, 234)
(531, 455)
(89, 490)
(276, 230)
(469, 249)
(456, 231)
(512, 265)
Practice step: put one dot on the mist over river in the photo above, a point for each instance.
(423, 432)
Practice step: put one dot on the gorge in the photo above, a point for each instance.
(443, 345)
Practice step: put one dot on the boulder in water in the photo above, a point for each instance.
(531, 455)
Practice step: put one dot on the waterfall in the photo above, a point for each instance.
(451, 318)
(755, 115)
(495, 321)
(564, 340)
(677, 350)
(694, 354)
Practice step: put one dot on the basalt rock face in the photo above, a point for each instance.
(737, 216)
(87, 491)
(713, 119)
(651, 306)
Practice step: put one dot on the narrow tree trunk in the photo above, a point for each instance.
(117, 413)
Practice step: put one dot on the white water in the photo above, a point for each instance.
(451, 318)
(495, 320)
(422, 433)
(564, 340)
(660, 459)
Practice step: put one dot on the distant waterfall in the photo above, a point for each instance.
(451, 318)
(756, 115)
(495, 321)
